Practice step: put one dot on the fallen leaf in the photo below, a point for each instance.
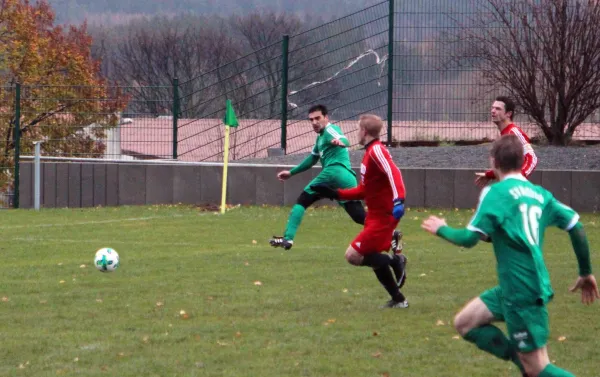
(426, 338)
(257, 283)
(254, 242)
(246, 264)
(185, 316)
(83, 266)
(238, 334)
(223, 344)
(60, 264)
(159, 304)
(76, 359)
(5, 299)
(423, 275)
(456, 337)
(375, 333)
(439, 323)
(562, 338)
(376, 354)
(332, 320)
(385, 374)
(62, 282)
(345, 290)
(181, 312)
(146, 339)
(121, 354)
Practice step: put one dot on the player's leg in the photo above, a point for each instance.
(305, 200)
(365, 251)
(529, 331)
(474, 323)
(355, 209)
(339, 177)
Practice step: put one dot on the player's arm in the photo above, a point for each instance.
(567, 219)
(384, 161)
(355, 193)
(529, 162)
(582, 249)
(307, 163)
(529, 158)
(335, 136)
(480, 227)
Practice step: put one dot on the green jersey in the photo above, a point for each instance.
(332, 154)
(515, 214)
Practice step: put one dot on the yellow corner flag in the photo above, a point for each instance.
(230, 120)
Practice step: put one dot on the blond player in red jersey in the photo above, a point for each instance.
(382, 188)
(503, 110)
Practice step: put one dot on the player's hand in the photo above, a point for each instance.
(325, 191)
(338, 142)
(481, 181)
(589, 289)
(398, 210)
(283, 175)
(433, 223)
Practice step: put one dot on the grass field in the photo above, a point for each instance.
(251, 310)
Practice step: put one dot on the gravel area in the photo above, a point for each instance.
(549, 157)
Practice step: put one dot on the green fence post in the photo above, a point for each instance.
(17, 143)
(284, 90)
(390, 71)
(175, 112)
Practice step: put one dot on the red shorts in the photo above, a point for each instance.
(376, 235)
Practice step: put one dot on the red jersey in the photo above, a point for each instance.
(380, 180)
(530, 160)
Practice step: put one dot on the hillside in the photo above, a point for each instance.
(118, 11)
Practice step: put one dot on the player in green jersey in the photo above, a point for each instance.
(331, 148)
(515, 213)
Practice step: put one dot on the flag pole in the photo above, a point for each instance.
(225, 161)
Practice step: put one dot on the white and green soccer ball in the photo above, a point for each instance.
(106, 259)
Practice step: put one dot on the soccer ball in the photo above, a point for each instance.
(106, 260)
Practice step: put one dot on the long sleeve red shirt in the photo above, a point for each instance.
(380, 180)
(530, 159)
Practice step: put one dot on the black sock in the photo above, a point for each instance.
(384, 274)
(381, 266)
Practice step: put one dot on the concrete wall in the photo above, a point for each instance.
(102, 184)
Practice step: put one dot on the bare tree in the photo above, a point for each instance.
(263, 33)
(545, 53)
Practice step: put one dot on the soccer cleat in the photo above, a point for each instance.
(399, 266)
(277, 241)
(397, 242)
(395, 304)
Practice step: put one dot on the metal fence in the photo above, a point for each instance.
(389, 59)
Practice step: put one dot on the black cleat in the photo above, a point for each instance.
(281, 242)
(398, 264)
(395, 304)
(397, 242)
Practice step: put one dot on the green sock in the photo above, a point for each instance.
(553, 371)
(491, 339)
(294, 222)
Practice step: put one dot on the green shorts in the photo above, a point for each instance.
(527, 326)
(335, 176)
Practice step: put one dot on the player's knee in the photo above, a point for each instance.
(353, 257)
(534, 362)
(462, 323)
(306, 200)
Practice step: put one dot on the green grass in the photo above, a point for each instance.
(313, 315)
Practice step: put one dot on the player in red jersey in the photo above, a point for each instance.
(382, 189)
(503, 110)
